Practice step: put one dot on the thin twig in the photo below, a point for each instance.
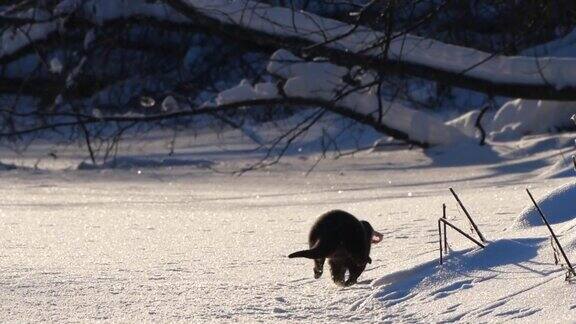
(442, 220)
(445, 235)
(478, 124)
(461, 232)
(568, 264)
(440, 239)
(468, 216)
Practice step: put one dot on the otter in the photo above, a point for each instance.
(345, 241)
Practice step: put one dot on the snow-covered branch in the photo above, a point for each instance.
(37, 26)
(329, 86)
(301, 32)
(272, 28)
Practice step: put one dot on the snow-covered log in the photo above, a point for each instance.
(323, 84)
(348, 92)
(301, 32)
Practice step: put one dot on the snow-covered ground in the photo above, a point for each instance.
(186, 243)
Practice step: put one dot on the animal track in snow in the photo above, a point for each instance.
(451, 309)
(518, 313)
(490, 308)
(396, 297)
(451, 288)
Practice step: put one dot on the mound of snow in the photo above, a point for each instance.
(560, 47)
(134, 162)
(520, 117)
(467, 123)
(530, 145)
(569, 244)
(170, 104)
(568, 237)
(245, 91)
(558, 206)
(6, 167)
(388, 144)
(320, 80)
(437, 281)
(561, 169)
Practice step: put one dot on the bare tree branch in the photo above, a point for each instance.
(295, 102)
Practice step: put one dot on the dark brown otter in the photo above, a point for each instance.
(344, 241)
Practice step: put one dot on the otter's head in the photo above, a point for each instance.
(372, 237)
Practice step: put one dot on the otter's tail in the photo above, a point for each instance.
(318, 251)
(310, 254)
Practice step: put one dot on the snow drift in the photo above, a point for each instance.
(521, 117)
(558, 206)
(319, 83)
(533, 77)
(136, 162)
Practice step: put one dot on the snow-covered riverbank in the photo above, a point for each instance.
(186, 243)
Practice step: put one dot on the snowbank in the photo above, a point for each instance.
(568, 237)
(558, 206)
(135, 162)
(561, 169)
(7, 167)
(317, 83)
(461, 270)
(245, 92)
(12, 40)
(101, 11)
(540, 143)
(332, 83)
(520, 117)
(97, 11)
(467, 123)
(562, 47)
(334, 35)
(558, 72)
(569, 245)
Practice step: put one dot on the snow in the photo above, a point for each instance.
(520, 117)
(318, 80)
(97, 11)
(182, 243)
(12, 40)
(89, 38)
(467, 123)
(287, 65)
(559, 72)
(562, 47)
(170, 104)
(102, 11)
(6, 167)
(556, 71)
(127, 162)
(245, 92)
(162, 237)
(562, 168)
(558, 207)
(56, 65)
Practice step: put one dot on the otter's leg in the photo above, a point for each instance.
(318, 267)
(338, 270)
(354, 272)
